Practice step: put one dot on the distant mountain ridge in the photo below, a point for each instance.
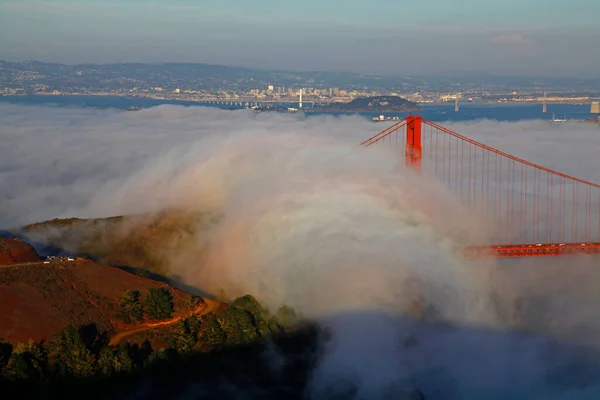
(211, 77)
(197, 76)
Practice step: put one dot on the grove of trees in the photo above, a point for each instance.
(83, 354)
(158, 305)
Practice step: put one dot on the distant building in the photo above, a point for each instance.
(595, 108)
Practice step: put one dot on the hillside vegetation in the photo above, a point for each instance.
(39, 300)
(81, 359)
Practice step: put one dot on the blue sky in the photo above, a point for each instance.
(531, 37)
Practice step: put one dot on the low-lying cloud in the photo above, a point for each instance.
(347, 236)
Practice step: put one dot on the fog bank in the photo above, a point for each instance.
(310, 220)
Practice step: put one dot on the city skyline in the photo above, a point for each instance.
(508, 38)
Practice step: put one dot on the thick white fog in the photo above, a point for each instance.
(345, 235)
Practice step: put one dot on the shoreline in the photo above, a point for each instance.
(223, 101)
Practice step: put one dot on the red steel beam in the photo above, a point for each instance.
(530, 250)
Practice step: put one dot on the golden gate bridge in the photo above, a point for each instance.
(535, 211)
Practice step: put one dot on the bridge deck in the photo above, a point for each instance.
(530, 250)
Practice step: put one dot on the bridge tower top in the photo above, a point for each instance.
(414, 148)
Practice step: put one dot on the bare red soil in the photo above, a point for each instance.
(15, 251)
(37, 300)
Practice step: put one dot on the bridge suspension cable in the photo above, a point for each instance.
(534, 210)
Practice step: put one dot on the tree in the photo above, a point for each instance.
(156, 357)
(274, 326)
(142, 353)
(159, 303)
(106, 361)
(68, 349)
(5, 353)
(191, 302)
(239, 325)
(194, 323)
(222, 296)
(212, 333)
(248, 302)
(286, 316)
(29, 362)
(130, 308)
(259, 314)
(93, 339)
(182, 338)
(115, 361)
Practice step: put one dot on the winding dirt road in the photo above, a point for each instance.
(210, 306)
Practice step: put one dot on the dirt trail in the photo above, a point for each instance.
(210, 306)
(21, 264)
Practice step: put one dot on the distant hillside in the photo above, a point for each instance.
(15, 251)
(195, 76)
(379, 104)
(145, 241)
